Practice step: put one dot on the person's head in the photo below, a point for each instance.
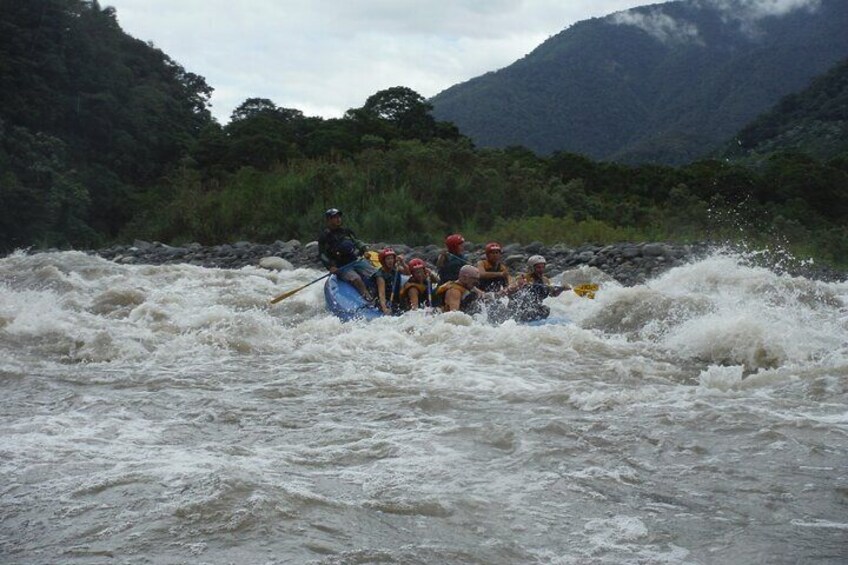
(418, 270)
(454, 243)
(536, 265)
(333, 216)
(469, 276)
(493, 252)
(387, 258)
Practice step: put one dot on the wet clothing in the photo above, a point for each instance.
(468, 303)
(492, 285)
(525, 305)
(449, 270)
(392, 280)
(425, 294)
(338, 247)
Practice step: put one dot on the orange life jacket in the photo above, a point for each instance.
(410, 284)
(465, 300)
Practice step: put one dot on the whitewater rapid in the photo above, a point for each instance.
(169, 414)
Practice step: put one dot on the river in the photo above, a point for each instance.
(169, 414)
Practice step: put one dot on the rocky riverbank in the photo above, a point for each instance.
(628, 263)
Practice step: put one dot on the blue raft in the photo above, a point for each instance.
(345, 302)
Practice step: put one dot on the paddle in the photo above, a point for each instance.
(288, 293)
(395, 280)
(587, 290)
(582, 290)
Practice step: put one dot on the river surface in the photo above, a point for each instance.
(169, 414)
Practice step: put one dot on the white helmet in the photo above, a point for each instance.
(536, 260)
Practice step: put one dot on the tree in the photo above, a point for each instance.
(405, 109)
(262, 134)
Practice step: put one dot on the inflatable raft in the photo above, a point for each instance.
(345, 302)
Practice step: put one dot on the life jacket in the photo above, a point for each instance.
(466, 301)
(388, 276)
(423, 294)
(392, 280)
(339, 246)
(449, 271)
(493, 285)
(535, 290)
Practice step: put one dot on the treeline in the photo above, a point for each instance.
(103, 138)
(415, 192)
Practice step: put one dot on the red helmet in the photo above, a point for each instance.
(416, 264)
(453, 242)
(385, 252)
(493, 246)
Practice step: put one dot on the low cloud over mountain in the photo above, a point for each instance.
(664, 83)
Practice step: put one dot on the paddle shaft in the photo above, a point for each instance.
(288, 293)
(580, 290)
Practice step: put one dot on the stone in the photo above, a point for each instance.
(143, 245)
(655, 250)
(534, 247)
(275, 264)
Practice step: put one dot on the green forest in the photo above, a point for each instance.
(104, 138)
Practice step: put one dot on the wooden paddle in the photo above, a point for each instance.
(288, 293)
(283, 296)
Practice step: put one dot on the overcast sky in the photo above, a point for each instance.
(325, 56)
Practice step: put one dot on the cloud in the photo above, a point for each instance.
(754, 10)
(747, 14)
(326, 56)
(659, 25)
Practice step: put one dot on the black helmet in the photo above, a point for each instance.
(332, 212)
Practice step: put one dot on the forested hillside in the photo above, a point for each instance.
(667, 83)
(88, 115)
(813, 121)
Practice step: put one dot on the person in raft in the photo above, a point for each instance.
(494, 275)
(417, 292)
(452, 259)
(462, 294)
(525, 302)
(387, 280)
(338, 247)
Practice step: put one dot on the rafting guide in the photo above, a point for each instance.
(338, 247)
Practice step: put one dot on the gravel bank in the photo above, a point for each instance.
(629, 263)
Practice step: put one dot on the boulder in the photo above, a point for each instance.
(275, 264)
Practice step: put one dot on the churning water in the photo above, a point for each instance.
(168, 414)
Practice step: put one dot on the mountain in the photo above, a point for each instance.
(665, 83)
(813, 121)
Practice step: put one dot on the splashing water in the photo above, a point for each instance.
(169, 414)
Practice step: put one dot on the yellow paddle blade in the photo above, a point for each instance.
(586, 290)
